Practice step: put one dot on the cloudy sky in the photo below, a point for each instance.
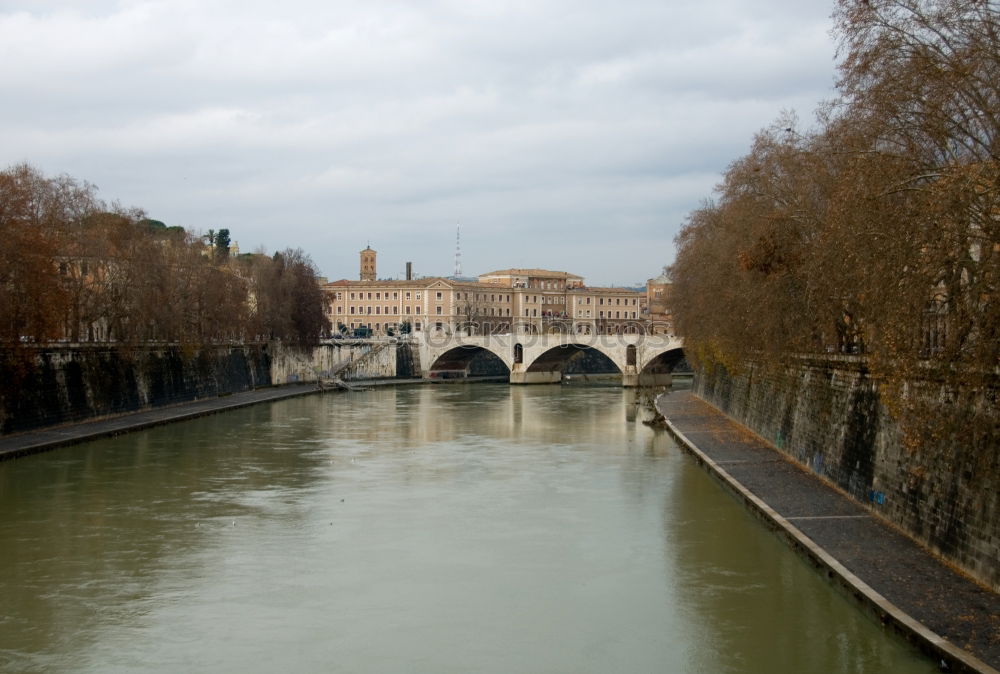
(558, 133)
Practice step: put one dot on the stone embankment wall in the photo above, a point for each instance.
(348, 360)
(378, 363)
(827, 414)
(293, 364)
(44, 386)
(49, 385)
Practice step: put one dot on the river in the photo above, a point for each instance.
(450, 528)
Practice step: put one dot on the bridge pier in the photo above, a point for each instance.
(535, 377)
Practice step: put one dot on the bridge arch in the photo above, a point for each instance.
(659, 367)
(556, 358)
(468, 360)
(664, 361)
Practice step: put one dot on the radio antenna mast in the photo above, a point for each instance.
(458, 250)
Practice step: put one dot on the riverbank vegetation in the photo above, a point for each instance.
(875, 232)
(75, 268)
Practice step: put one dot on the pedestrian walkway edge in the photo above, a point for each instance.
(889, 614)
(135, 423)
(48, 438)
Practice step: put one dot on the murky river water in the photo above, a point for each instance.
(465, 528)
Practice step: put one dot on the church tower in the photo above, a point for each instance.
(368, 264)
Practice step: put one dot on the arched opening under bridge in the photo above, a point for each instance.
(577, 363)
(659, 370)
(468, 361)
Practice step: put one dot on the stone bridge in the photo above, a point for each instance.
(539, 359)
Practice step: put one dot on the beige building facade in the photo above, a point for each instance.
(499, 302)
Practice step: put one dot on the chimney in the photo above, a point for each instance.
(409, 271)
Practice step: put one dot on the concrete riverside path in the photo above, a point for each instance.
(951, 618)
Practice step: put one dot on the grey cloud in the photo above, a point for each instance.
(561, 134)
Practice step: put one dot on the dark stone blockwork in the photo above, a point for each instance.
(42, 386)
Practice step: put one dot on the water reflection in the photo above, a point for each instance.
(755, 603)
(439, 528)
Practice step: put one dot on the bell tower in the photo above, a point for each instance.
(368, 264)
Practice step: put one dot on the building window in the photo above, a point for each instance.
(602, 314)
(416, 309)
(406, 310)
(439, 295)
(340, 310)
(352, 296)
(416, 326)
(378, 296)
(395, 296)
(418, 294)
(352, 310)
(369, 295)
(407, 296)
(369, 310)
(438, 310)
(340, 296)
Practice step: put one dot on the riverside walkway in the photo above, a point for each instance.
(52, 437)
(951, 618)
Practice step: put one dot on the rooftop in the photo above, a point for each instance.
(391, 283)
(543, 273)
(604, 291)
